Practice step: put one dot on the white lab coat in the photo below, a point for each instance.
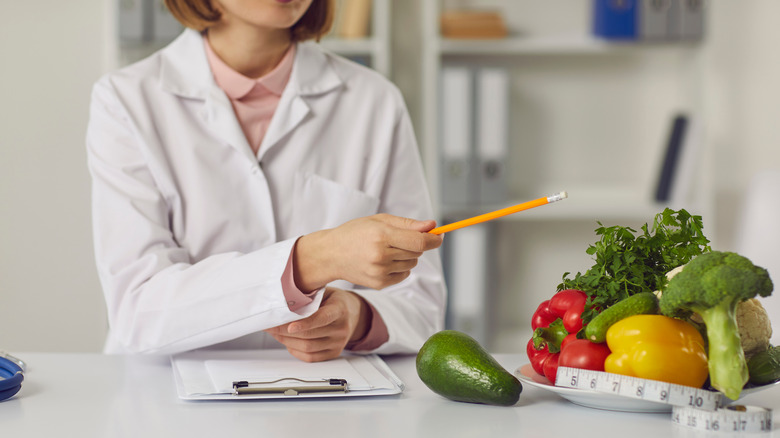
(193, 231)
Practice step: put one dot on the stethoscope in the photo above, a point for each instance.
(11, 375)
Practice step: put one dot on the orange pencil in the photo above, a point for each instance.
(499, 213)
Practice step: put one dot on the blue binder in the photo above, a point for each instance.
(671, 163)
(616, 19)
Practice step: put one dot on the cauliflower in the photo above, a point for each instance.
(755, 330)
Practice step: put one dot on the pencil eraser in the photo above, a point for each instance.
(564, 194)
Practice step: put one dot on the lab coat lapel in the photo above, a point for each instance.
(185, 71)
(220, 118)
(312, 75)
(290, 112)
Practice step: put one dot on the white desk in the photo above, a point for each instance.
(92, 395)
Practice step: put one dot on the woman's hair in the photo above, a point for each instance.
(201, 14)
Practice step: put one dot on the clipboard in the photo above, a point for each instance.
(274, 374)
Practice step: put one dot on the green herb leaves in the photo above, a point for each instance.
(627, 263)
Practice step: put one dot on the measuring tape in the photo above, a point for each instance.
(691, 407)
(735, 418)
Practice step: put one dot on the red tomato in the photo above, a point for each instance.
(550, 364)
(570, 337)
(581, 353)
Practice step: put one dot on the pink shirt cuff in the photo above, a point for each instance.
(294, 296)
(377, 332)
(376, 335)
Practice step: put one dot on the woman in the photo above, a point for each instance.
(251, 190)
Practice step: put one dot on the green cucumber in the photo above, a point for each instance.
(764, 367)
(637, 304)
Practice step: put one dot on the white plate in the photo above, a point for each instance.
(598, 400)
(591, 399)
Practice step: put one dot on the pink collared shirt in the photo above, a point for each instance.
(254, 102)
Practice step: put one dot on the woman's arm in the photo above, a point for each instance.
(404, 286)
(377, 250)
(158, 299)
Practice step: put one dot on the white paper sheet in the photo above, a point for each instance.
(210, 374)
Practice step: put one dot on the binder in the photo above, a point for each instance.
(355, 21)
(467, 275)
(688, 165)
(681, 162)
(165, 27)
(458, 183)
(275, 374)
(655, 19)
(670, 165)
(492, 127)
(615, 19)
(135, 17)
(338, 15)
(687, 19)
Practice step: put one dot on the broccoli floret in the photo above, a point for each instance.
(712, 285)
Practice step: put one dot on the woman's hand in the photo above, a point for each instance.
(374, 251)
(342, 317)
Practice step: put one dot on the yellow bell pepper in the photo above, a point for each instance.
(657, 347)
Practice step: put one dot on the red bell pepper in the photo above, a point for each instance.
(555, 322)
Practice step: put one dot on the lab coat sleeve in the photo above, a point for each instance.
(158, 301)
(414, 309)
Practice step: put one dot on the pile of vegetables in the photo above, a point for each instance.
(627, 263)
(660, 305)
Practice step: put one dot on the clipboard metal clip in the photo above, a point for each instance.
(244, 387)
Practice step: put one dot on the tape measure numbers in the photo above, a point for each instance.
(735, 418)
(691, 407)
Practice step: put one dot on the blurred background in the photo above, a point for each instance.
(511, 100)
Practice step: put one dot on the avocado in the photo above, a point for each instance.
(454, 365)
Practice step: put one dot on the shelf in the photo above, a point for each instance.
(374, 49)
(525, 45)
(587, 115)
(546, 45)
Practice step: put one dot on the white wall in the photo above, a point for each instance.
(51, 53)
(743, 92)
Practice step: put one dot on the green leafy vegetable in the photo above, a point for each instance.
(627, 262)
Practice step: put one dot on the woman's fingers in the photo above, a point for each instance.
(310, 350)
(325, 333)
(322, 318)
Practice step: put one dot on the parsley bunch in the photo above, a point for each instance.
(628, 263)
